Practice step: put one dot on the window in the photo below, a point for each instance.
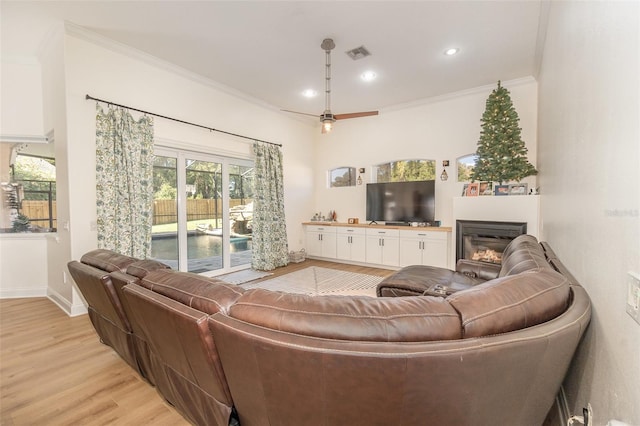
(406, 171)
(35, 179)
(465, 165)
(342, 176)
(209, 227)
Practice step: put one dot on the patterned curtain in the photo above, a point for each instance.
(270, 248)
(124, 181)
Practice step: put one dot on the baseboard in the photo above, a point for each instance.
(18, 293)
(71, 309)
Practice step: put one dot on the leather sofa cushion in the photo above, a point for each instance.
(398, 319)
(107, 260)
(141, 268)
(511, 303)
(415, 279)
(207, 295)
(522, 254)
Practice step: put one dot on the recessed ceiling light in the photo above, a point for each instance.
(368, 76)
(452, 51)
(309, 93)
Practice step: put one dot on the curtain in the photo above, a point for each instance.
(270, 248)
(124, 181)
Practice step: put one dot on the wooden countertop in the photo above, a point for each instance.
(364, 225)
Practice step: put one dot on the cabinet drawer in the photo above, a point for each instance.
(320, 228)
(425, 235)
(377, 232)
(350, 230)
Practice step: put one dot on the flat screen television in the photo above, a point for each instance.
(401, 202)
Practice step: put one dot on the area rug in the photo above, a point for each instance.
(315, 280)
(244, 276)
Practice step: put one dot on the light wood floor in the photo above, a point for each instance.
(55, 371)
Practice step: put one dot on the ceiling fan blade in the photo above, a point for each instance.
(303, 113)
(355, 115)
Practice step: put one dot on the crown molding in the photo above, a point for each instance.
(462, 93)
(126, 50)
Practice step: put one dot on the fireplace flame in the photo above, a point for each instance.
(488, 255)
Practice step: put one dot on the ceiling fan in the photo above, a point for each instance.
(327, 118)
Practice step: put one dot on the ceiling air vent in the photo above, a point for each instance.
(358, 53)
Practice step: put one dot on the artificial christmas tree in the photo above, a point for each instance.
(502, 155)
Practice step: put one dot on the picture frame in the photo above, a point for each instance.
(518, 189)
(473, 189)
(485, 188)
(464, 189)
(501, 190)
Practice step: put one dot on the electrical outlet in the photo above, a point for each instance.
(633, 296)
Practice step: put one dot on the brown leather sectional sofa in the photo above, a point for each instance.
(480, 345)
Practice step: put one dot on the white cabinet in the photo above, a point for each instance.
(383, 246)
(429, 248)
(321, 241)
(351, 244)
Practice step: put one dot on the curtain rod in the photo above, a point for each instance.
(180, 121)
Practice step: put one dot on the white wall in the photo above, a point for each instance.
(589, 162)
(24, 265)
(438, 129)
(21, 96)
(107, 71)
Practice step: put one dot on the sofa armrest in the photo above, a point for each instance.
(482, 270)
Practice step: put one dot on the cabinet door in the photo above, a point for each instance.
(374, 249)
(329, 244)
(343, 247)
(314, 243)
(391, 251)
(358, 248)
(410, 251)
(435, 253)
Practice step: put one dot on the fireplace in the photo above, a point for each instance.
(485, 241)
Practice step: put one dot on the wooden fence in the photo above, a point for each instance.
(164, 211)
(38, 212)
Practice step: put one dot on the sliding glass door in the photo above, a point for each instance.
(202, 216)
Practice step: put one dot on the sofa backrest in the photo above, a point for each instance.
(522, 254)
(394, 319)
(173, 308)
(512, 302)
(208, 295)
(107, 260)
(135, 272)
(105, 309)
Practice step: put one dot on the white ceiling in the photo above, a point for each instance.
(271, 50)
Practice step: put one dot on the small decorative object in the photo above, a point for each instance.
(20, 223)
(359, 180)
(501, 190)
(361, 169)
(444, 176)
(485, 188)
(502, 154)
(473, 189)
(297, 256)
(353, 220)
(334, 216)
(518, 189)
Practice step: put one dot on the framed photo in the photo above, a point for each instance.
(518, 189)
(485, 188)
(464, 189)
(473, 189)
(501, 190)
